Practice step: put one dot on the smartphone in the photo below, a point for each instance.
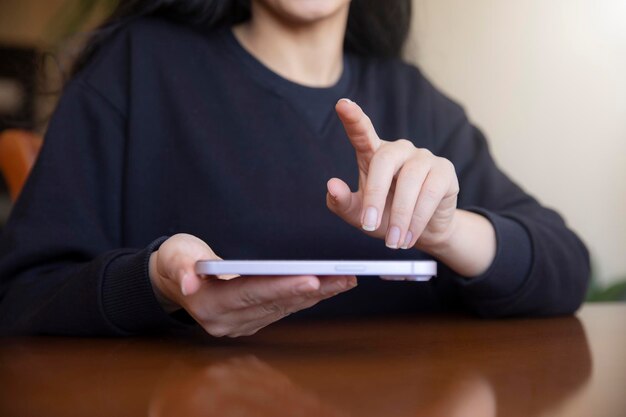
(389, 270)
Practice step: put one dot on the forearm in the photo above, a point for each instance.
(470, 246)
(107, 295)
(60, 301)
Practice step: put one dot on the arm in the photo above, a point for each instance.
(61, 267)
(469, 247)
(506, 254)
(540, 267)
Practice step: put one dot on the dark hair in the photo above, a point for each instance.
(375, 28)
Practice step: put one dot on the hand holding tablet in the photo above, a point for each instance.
(266, 292)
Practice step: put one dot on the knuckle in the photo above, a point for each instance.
(385, 155)
(435, 188)
(400, 212)
(418, 223)
(364, 122)
(424, 153)
(404, 143)
(455, 186)
(375, 189)
(432, 192)
(413, 168)
(447, 164)
(359, 136)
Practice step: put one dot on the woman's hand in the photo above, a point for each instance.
(408, 196)
(237, 307)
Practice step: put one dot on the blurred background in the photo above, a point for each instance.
(544, 80)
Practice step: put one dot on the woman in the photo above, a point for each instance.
(215, 118)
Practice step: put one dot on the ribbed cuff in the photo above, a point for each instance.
(511, 265)
(128, 299)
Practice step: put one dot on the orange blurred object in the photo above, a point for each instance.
(18, 151)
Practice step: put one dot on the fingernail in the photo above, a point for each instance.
(393, 237)
(370, 219)
(305, 287)
(347, 100)
(407, 240)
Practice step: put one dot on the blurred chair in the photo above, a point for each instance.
(18, 151)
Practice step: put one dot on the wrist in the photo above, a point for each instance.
(443, 243)
(468, 246)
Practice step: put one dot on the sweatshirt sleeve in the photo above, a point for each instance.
(62, 266)
(541, 267)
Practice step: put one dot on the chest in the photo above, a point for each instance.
(243, 170)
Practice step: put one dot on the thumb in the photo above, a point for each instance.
(343, 202)
(176, 259)
(190, 283)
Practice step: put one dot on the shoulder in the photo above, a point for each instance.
(151, 38)
(154, 35)
(142, 39)
(142, 52)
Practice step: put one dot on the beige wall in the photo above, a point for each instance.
(546, 81)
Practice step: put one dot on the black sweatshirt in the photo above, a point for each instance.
(171, 129)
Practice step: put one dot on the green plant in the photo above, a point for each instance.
(613, 292)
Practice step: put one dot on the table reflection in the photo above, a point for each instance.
(247, 386)
(243, 386)
(406, 368)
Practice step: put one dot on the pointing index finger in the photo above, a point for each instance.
(358, 127)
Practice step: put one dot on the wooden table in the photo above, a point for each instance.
(420, 366)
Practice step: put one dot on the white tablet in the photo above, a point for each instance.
(390, 270)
